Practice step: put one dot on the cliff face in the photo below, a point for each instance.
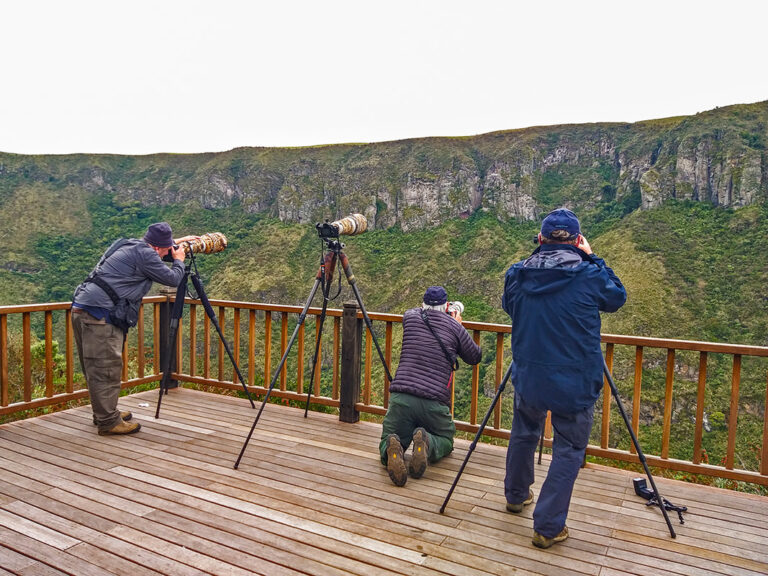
(717, 157)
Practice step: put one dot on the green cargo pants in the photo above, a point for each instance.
(100, 347)
(406, 413)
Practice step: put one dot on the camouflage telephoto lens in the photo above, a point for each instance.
(206, 244)
(351, 225)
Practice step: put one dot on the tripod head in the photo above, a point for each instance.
(333, 245)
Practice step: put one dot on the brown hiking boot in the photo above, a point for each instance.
(542, 542)
(418, 463)
(395, 461)
(121, 427)
(517, 508)
(124, 415)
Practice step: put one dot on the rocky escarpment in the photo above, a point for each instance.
(717, 157)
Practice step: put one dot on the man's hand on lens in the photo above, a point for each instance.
(186, 239)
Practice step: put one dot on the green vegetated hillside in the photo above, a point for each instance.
(677, 207)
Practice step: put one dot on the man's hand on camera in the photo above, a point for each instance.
(178, 252)
(583, 245)
(457, 315)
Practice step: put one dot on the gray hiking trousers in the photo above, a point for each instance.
(100, 347)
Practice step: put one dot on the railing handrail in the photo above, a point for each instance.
(20, 308)
(694, 345)
(644, 341)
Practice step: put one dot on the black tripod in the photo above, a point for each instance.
(176, 312)
(658, 499)
(332, 251)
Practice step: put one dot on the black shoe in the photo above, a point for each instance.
(395, 461)
(418, 463)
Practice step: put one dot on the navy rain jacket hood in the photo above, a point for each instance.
(554, 299)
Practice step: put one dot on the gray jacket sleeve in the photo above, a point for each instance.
(130, 272)
(152, 266)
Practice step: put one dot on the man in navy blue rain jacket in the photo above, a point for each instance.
(554, 299)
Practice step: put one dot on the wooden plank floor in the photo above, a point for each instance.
(311, 497)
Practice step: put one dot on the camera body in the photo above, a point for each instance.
(455, 307)
(351, 225)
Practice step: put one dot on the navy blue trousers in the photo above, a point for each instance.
(570, 442)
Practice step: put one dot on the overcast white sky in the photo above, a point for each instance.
(203, 76)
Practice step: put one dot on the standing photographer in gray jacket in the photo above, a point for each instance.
(106, 304)
(420, 395)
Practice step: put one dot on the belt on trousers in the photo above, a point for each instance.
(82, 311)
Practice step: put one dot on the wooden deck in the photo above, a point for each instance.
(311, 497)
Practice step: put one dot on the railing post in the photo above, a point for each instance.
(165, 333)
(351, 355)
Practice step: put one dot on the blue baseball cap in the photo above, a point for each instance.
(435, 295)
(560, 219)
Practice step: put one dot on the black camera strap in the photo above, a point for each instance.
(454, 363)
(116, 245)
(100, 282)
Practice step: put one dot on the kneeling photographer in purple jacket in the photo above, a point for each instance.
(420, 395)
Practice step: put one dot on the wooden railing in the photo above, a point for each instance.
(259, 334)
(44, 381)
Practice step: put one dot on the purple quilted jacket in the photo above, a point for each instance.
(424, 370)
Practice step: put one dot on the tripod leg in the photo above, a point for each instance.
(477, 436)
(640, 454)
(302, 316)
(325, 275)
(541, 445)
(353, 283)
(198, 284)
(317, 353)
(178, 309)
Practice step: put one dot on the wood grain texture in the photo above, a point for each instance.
(311, 497)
